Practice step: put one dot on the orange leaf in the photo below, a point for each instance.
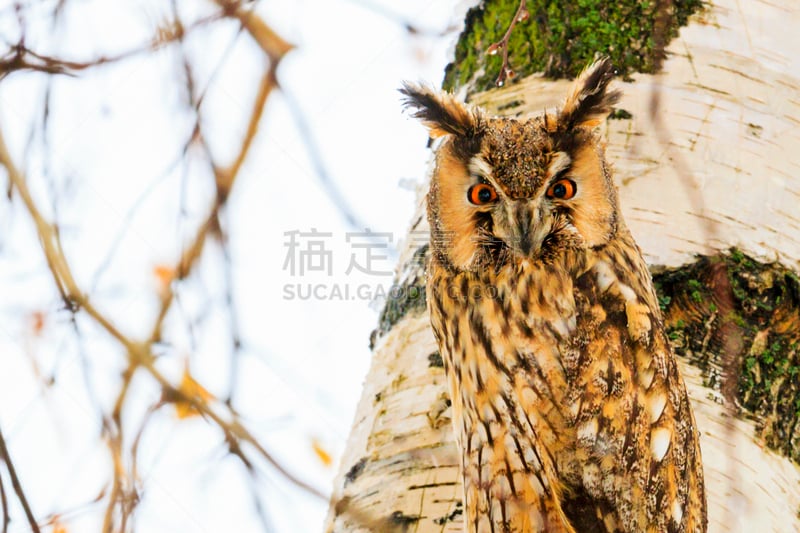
(321, 453)
(37, 322)
(58, 527)
(191, 388)
(164, 275)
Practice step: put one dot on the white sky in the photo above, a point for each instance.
(114, 142)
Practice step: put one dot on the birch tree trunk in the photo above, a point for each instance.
(710, 188)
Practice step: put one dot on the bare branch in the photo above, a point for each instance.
(12, 472)
(4, 500)
(20, 58)
(270, 42)
(506, 72)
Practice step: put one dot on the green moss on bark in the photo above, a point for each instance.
(561, 37)
(733, 312)
(407, 295)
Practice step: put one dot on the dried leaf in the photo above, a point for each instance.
(58, 527)
(38, 322)
(192, 389)
(321, 453)
(164, 275)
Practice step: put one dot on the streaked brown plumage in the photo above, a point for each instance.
(567, 402)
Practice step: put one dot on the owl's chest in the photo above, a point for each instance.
(522, 343)
(496, 326)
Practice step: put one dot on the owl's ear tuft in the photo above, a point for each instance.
(589, 101)
(440, 112)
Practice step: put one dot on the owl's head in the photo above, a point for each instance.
(507, 189)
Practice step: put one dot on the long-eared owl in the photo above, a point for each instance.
(568, 406)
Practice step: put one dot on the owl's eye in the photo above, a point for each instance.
(563, 189)
(481, 194)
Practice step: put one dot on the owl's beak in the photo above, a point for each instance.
(530, 224)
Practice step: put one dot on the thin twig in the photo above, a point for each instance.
(6, 516)
(12, 472)
(225, 178)
(233, 320)
(506, 72)
(272, 44)
(20, 58)
(125, 224)
(411, 27)
(319, 166)
(234, 431)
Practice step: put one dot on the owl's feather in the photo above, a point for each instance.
(441, 113)
(589, 102)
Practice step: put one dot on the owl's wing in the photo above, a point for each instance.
(637, 445)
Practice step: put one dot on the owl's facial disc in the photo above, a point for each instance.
(521, 219)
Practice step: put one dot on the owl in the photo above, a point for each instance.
(568, 407)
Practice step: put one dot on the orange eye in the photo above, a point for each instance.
(563, 189)
(481, 194)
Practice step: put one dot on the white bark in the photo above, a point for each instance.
(730, 101)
